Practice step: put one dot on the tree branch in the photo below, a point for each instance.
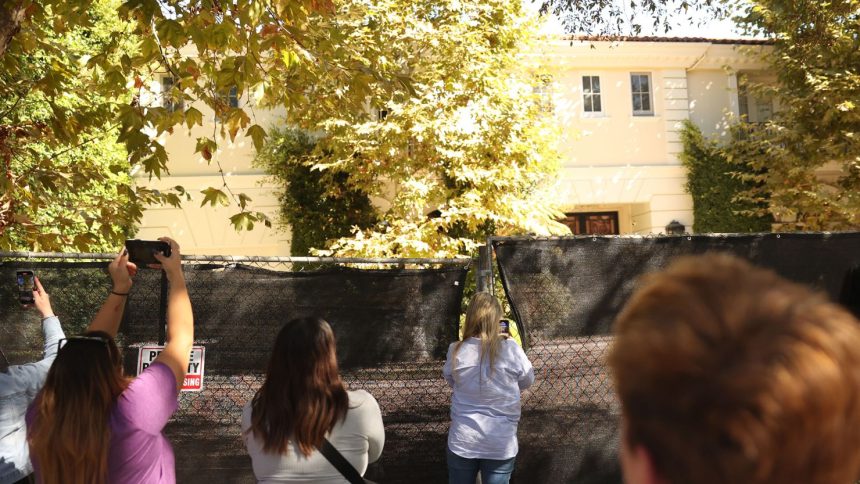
(11, 18)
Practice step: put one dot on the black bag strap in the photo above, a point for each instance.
(340, 463)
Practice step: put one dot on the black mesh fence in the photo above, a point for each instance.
(392, 326)
(566, 293)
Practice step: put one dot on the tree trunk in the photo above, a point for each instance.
(11, 15)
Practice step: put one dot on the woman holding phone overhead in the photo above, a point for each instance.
(91, 423)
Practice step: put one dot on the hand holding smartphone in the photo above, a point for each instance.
(141, 252)
(505, 327)
(26, 284)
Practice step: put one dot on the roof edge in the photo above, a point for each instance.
(653, 38)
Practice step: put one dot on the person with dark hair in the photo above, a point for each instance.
(91, 424)
(302, 406)
(729, 373)
(19, 385)
(487, 372)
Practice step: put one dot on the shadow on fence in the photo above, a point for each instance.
(393, 327)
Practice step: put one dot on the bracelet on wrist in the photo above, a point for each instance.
(119, 293)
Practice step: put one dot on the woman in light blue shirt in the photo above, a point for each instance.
(19, 385)
(487, 372)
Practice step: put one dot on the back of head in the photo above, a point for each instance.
(70, 437)
(482, 316)
(482, 322)
(303, 396)
(729, 373)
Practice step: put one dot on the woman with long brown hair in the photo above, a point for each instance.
(91, 424)
(302, 404)
(487, 372)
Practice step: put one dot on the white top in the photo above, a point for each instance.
(19, 385)
(485, 408)
(359, 438)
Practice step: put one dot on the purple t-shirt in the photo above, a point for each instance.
(139, 453)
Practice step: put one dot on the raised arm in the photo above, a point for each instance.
(50, 323)
(180, 320)
(34, 373)
(109, 316)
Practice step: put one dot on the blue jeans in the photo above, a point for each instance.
(464, 471)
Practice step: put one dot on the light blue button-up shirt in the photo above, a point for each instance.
(485, 406)
(18, 387)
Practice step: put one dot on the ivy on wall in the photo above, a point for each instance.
(316, 206)
(715, 185)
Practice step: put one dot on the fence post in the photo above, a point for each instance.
(483, 274)
(162, 310)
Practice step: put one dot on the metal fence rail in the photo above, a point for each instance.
(393, 322)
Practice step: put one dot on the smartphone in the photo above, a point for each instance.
(141, 251)
(505, 327)
(26, 284)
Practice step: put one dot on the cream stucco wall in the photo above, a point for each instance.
(712, 96)
(207, 230)
(616, 161)
(611, 161)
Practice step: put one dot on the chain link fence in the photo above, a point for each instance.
(567, 291)
(393, 324)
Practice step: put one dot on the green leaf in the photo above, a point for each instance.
(192, 117)
(172, 32)
(213, 197)
(242, 221)
(290, 59)
(243, 200)
(258, 135)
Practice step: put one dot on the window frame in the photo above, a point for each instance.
(592, 95)
(232, 98)
(650, 93)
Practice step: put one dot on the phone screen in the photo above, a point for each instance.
(26, 284)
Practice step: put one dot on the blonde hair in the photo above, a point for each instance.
(482, 322)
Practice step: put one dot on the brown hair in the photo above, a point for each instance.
(729, 373)
(70, 436)
(303, 396)
(482, 322)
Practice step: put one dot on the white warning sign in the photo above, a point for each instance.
(194, 377)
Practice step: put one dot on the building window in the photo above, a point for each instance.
(640, 87)
(171, 95)
(591, 102)
(592, 223)
(543, 90)
(229, 99)
(754, 109)
(232, 97)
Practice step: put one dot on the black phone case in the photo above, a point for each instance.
(141, 252)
